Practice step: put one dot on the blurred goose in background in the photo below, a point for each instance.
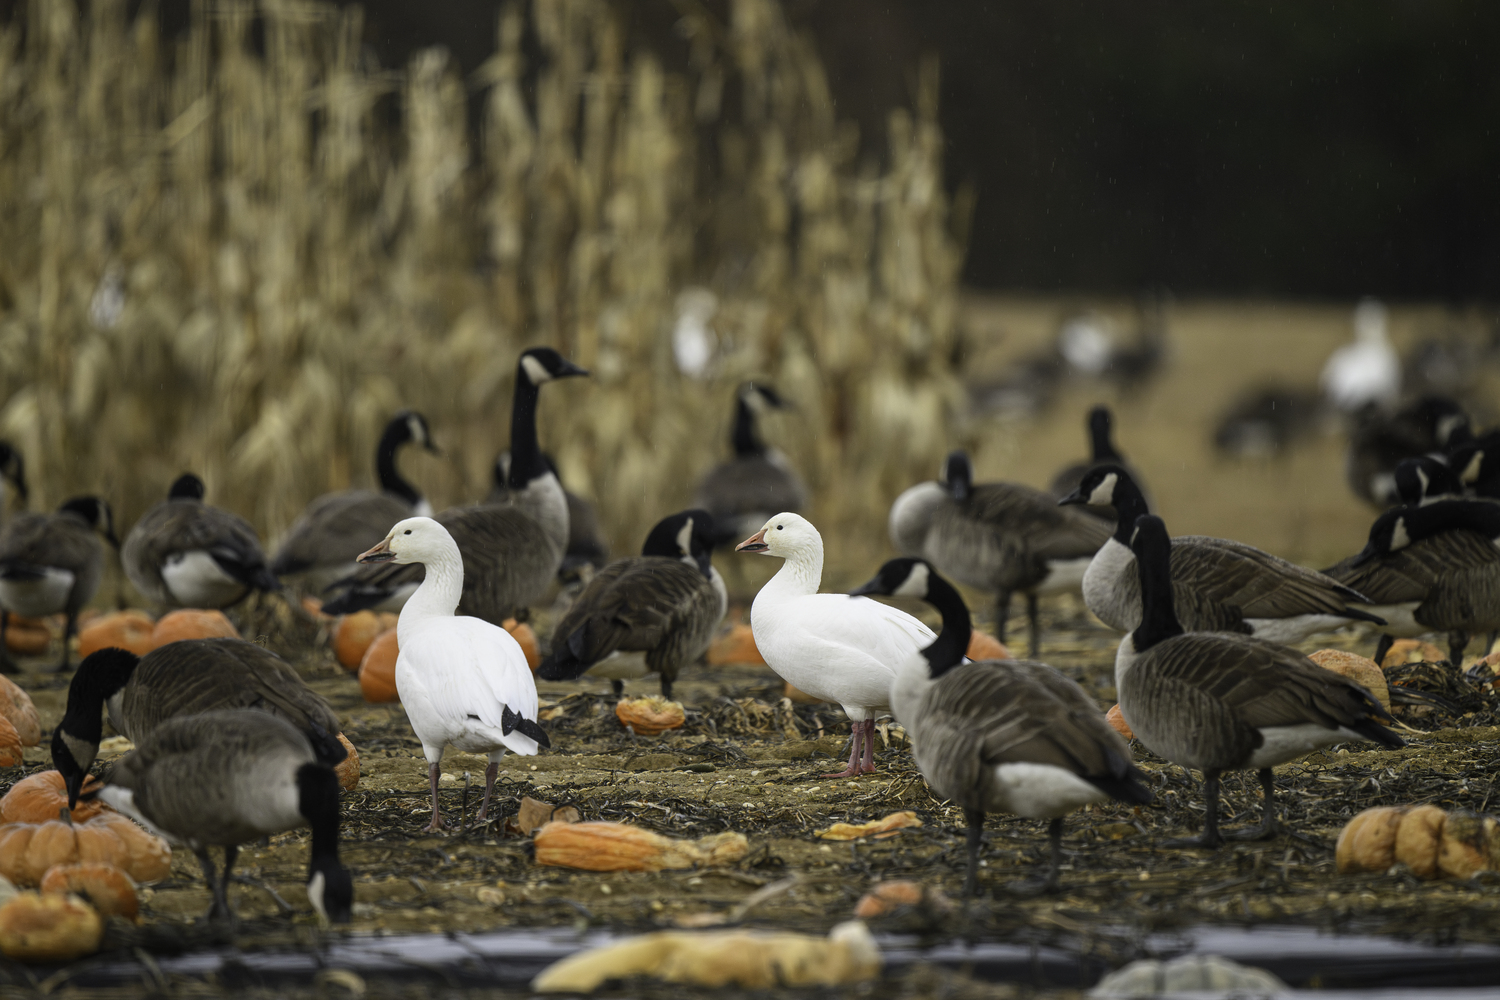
(1379, 441)
(1218, 585)
(1010, 736)
(1366, 371)
(1434, 568)
(12, 473)
(183, 678)
(1265, 422)
(1424, 480)
(322, 543)
(464, 682)
(229, 777)
(1103, 451)
(52, 564)
(184, 553)
(586, 544)
(1090, 344)
(511, 551)
(1219, 702)
(741, 493)
(831, 646)
(1003, 538)
(1477, 464)
(667, 602)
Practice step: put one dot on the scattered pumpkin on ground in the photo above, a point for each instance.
(48, 928)
(1118, 723)
(348, 769)
(1359, 669)
(620, 847)
(126, 629)
(106, 888)
(27, 636)
(354, 633)
(16, 706)
(879, 829)
(651, 715)
(887, 897)
(526, 638)
(1430, 842)
(27, 850)
(1411, 651)
(983, 646)
(735, 646)
(42, 796)
(193, 623)
(377, 671)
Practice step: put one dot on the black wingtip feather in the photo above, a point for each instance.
(514, 722)
(1361, 616)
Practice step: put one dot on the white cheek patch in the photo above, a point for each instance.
(685, 538)
(415, 429)
(315, 889)
(1399, 538)
(1422, 478)
(1471, 471)
(915, 584)
(535, 370)
(1104, 494)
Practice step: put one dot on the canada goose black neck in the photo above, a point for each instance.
(1099, 436)
(75, 742)
(958, 473)
(318, 802)
(952, 642)
(187, 487)
(526, 460)
(745, 436)
(13, 468)
(1130, 503)
(397, 433)
(1153, 560)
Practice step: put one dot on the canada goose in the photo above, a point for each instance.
(742, 492)
(1379, 441)
(829, 645)
(52, 563)
(183, 678)
(464, 682)
(322, 543)
(511, 551)
(184, 553)
(1477, 464)
(228, 777)
(1265, 421)
(666, 602)
(998, 537)
(586, 544)
(1103, 452)
(1366, 371)
(1424, 480)
(1218, 585)
(1010, 736)
(1431, 569)
(12, 471)
(1221, 702)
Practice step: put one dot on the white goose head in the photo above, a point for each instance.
(785, 535)
(414, 540)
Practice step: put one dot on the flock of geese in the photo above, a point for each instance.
(231, 745)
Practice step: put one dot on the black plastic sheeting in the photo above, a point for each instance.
(1300, 957)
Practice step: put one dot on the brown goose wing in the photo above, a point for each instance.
(1410, 573)
(337, 527)
(1259, 584)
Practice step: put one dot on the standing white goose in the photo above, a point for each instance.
(832, 646)
(463, 681)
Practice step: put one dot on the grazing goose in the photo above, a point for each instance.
(322, 543)
(1379, 441)
(1366, 371)
(666, 602)
(464, 682)
(829, 645)
(226, 778)
(586, 544)
(511, 551)
(1265, 421)
(1424, 480)
(1218, 585)
(1103, 452)
(1431, 569)
(184, 553)
(12, 471)
(742, 492)
(1009, 736)
(52, 563)
(183, 678)
(1221, 702)
(999, 537)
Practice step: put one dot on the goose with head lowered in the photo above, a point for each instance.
(1217, 702)
(183, 678)
(1379, 440)
(1218, 585)
(666, 603)
(1009, 736)
(464, 682)
(1434, 568)
(52, 563)
(184, 553)
(831, 646)
(758, 481)
(1004, 538)
(321, 545)
(225, 778)
(1102, 452)
(512, 550)
(1424, 480)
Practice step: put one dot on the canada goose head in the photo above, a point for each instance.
(903, 577)
(1101, 426)
(411, 426)
(414, 540)
(1397, 528)
(95, 513)
(543, 364)
(908, 577)
(1388, 534)
(761, 397)
(75, 741)
(958, 475)
(187, 487)
(330, 890)
(1098, 487)
(1424, 479)
(783, 535)
(13, 468)
(1444, 418)
(687, 535)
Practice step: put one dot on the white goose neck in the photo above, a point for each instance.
(801, 573)
(439, 593)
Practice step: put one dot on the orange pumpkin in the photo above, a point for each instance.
(377, 671)
(192, 623)
(1359, 669)
(106, 888)
(126, 629)
(650, 715)
(11, 752)
(526, 638)
(27, 850)
(348, 768)
(27, 636)
(1118, 723)
(983, 646)
(16, 705)
(354, 633)
(735, 646)
(619, 847)
(37, 928)
(1411, 651)
(43, 796)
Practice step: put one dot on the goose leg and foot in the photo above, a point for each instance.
(861, 750)
(433, 772)
(1384, 646)
(1270, 824)
(1210, 837)
(1457, 643)
(1036, 626)
(490, 774)
(1048, 883)
(1002, 614)
(69, 630)
(219, 911)
(975, 820)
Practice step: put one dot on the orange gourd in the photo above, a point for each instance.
(11, 752)
(526, 639)
(1117, 723)
(735, 646)
(354, 633)
(106, 888)
(42, 797)
(16, 706)
(650, 715)
(348, 769)
(27, 850)
(983, 646)
(192, 623)
(126, 629)
(619, 847)
(377, 671)
(37, 928)
(27, 636)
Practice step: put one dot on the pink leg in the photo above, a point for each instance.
(867, 766)
(853, 770)
(489, 789)
(437, 815)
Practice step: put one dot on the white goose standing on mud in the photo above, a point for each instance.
(464, 682)
(832, 646)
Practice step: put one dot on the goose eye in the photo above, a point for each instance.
(778, 527)
(407, 531)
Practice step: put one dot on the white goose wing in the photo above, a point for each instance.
(469, 667)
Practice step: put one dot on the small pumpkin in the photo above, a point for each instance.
(126, 629)
(27, 850)
(104, 887)
(193, 623)
(983, 646)
(12, 754)
(17, 706)
(620, 847)
(1411, 651)
(1359, 669)
(354, 633)
(651, 715)
(27, 636)
(1368, 841)
(348, 769)
(1419, 838)
(1117, 722)
(735, 646)
(526, 638)
(377, 671)
(887, 897)
(38, 928)
(42, 796)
